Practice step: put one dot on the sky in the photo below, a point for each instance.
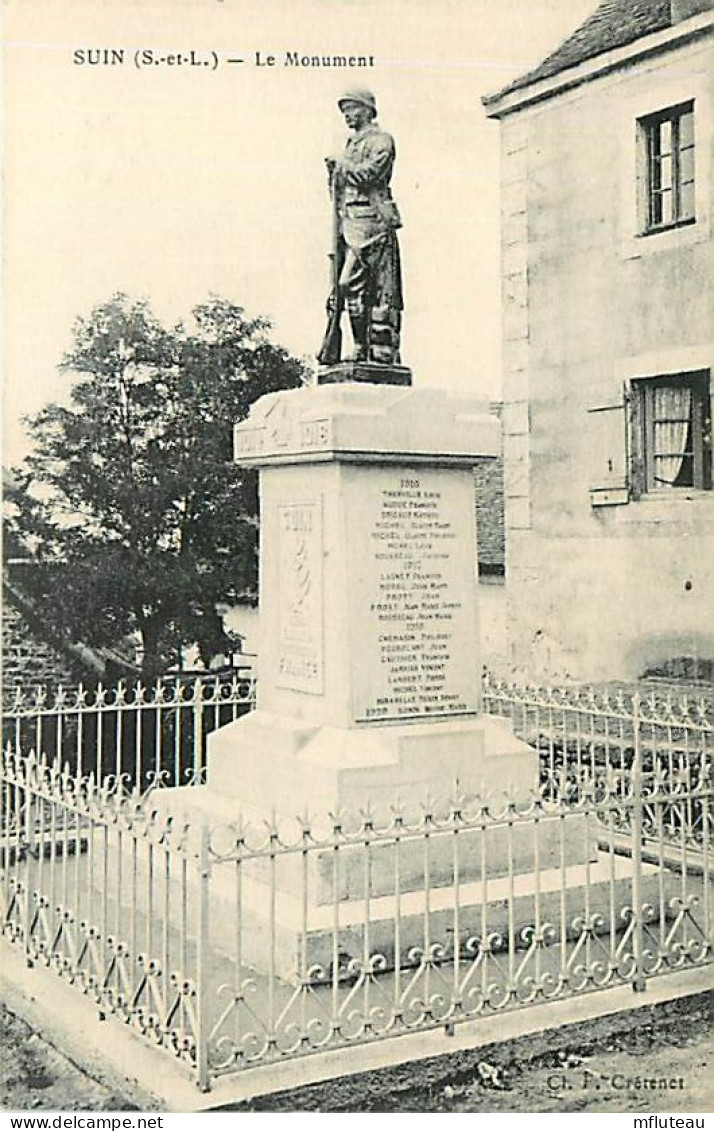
(172, 182)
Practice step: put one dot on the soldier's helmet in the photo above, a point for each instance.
(363, 97)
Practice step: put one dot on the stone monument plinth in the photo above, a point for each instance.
(369, 666)
(369, 697)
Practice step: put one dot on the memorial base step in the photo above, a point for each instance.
(330, 875)
(305, 943)
(277, 764)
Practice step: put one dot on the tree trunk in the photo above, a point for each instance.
(152, 664)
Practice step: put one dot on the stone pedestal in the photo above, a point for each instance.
(369, 695)
(369, 678)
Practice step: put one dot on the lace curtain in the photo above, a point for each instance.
(671, 416)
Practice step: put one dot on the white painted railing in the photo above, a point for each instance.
(231, 946)
(135, 732)
(234, 945)
(588, 731)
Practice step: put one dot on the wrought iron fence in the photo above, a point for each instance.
(100, 890)
(588, 731)
(132, 731)
(240, 945)
(145, 733)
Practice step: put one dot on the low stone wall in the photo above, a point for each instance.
(27, 659)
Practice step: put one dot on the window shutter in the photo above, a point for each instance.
(607, 450)
(638, 473)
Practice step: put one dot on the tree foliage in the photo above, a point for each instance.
(130, 491)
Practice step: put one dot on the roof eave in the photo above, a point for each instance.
(500, 105)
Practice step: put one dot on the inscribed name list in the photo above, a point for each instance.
(416, 585)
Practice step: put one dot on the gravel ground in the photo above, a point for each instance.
(602, 1065)
(588, 1067)
(34, 1075)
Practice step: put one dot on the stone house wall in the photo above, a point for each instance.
(604, 587)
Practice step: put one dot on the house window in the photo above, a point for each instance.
(671, 435)
(669, 178)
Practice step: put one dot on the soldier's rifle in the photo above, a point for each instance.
(331, 349)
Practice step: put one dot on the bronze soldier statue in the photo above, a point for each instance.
(367, 276)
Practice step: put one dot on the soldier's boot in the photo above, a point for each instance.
(358, 323)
